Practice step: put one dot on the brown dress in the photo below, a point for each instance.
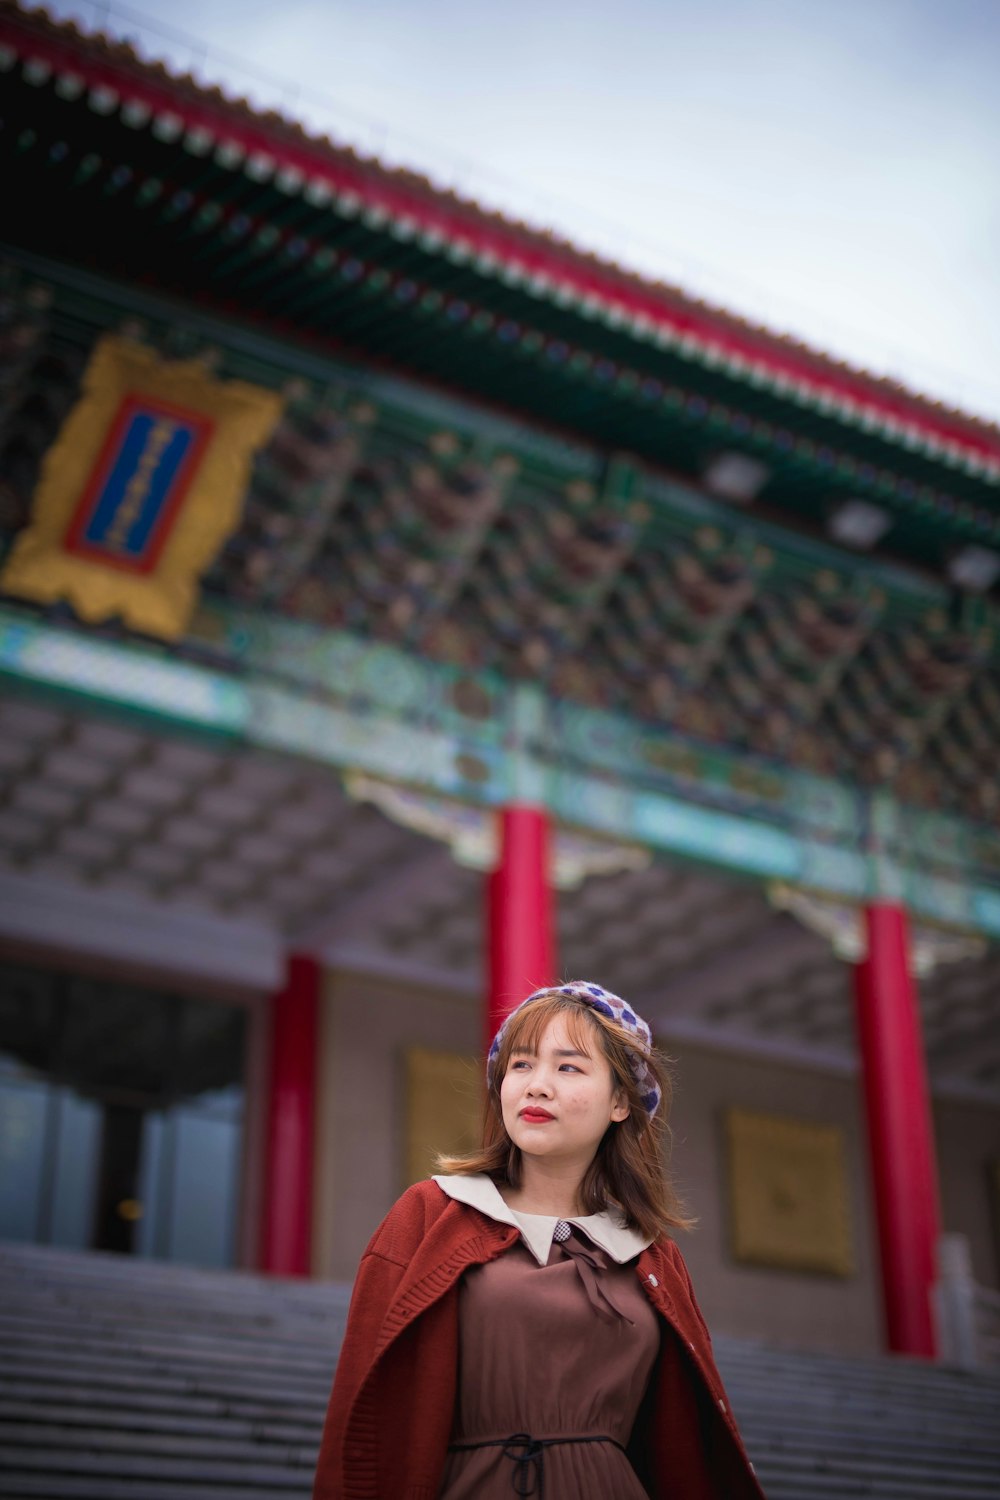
(563, 1350)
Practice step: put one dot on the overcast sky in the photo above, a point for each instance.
(829, 167)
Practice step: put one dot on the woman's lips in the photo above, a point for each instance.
(536, 1116)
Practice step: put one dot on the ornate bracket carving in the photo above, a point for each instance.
(471, 832)
(840, 923)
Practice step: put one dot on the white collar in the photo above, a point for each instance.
(606, 1230)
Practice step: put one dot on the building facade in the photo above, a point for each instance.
(399, 609)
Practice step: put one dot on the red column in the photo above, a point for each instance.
(519, 914)
(900, 1130)
(287, 1210)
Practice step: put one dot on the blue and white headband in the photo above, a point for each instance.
(613, 1008)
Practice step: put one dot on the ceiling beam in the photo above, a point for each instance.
(358, 958)
(766, 958)
(395, 887)
(115, 927)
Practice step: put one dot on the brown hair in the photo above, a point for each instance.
(629, 1169)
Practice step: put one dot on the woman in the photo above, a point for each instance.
(521, 1324)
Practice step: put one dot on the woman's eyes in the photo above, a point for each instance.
(523, 1063)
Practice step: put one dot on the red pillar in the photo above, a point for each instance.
(900, 1130)
(519, 915)
(287, 1212)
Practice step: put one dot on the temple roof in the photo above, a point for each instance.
(499, 453)
(271, 149)
(172, 189)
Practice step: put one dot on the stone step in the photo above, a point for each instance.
(181, 1422)
(846, 1475)
(125, 1380)
(216, 1446)
(256, 1470)
(142, 1399)
(41, 1486)
(184, 1365)
(128, 1347)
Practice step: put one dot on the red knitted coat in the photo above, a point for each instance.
(390, 1413)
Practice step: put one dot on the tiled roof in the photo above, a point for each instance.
(275, 147)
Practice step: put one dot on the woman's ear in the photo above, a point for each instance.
(620, 1108)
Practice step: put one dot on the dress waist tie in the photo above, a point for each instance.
(527, 1456)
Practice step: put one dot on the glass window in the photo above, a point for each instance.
(205, 1174)
(121, 1116)
(24, 1112)
(155, 1188)
(77, 1143)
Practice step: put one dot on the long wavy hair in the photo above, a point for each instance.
(629, 1171)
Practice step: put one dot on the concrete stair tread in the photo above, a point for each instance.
(126, 1380)
(166, 1375)
(103, 1439)
(253, 1469)
(23, 1486)
(183, 1400)
(128, 1351)
(181, 1423)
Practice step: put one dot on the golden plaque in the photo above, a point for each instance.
(788, 1193)
(140, 490)
(444, 1108)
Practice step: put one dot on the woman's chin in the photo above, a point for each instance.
(533, 1141)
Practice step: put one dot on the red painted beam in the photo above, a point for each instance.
(519, 914)
(286, 1230)
(900, 1131)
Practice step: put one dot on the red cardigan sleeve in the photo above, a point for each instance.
(376, 1282)
(358, 1408)
(693, 1444)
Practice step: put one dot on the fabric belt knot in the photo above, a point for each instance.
(527, 1455)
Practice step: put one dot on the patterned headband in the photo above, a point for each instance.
(613, 1008)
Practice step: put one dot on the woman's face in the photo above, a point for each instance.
(559, 1103)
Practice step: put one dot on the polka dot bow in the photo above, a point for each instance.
(614, 1009)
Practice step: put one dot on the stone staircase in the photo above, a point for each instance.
(129, 1380)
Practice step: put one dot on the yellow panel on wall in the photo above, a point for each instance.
(140, 489)
(444, 1108)
(788, 1193)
